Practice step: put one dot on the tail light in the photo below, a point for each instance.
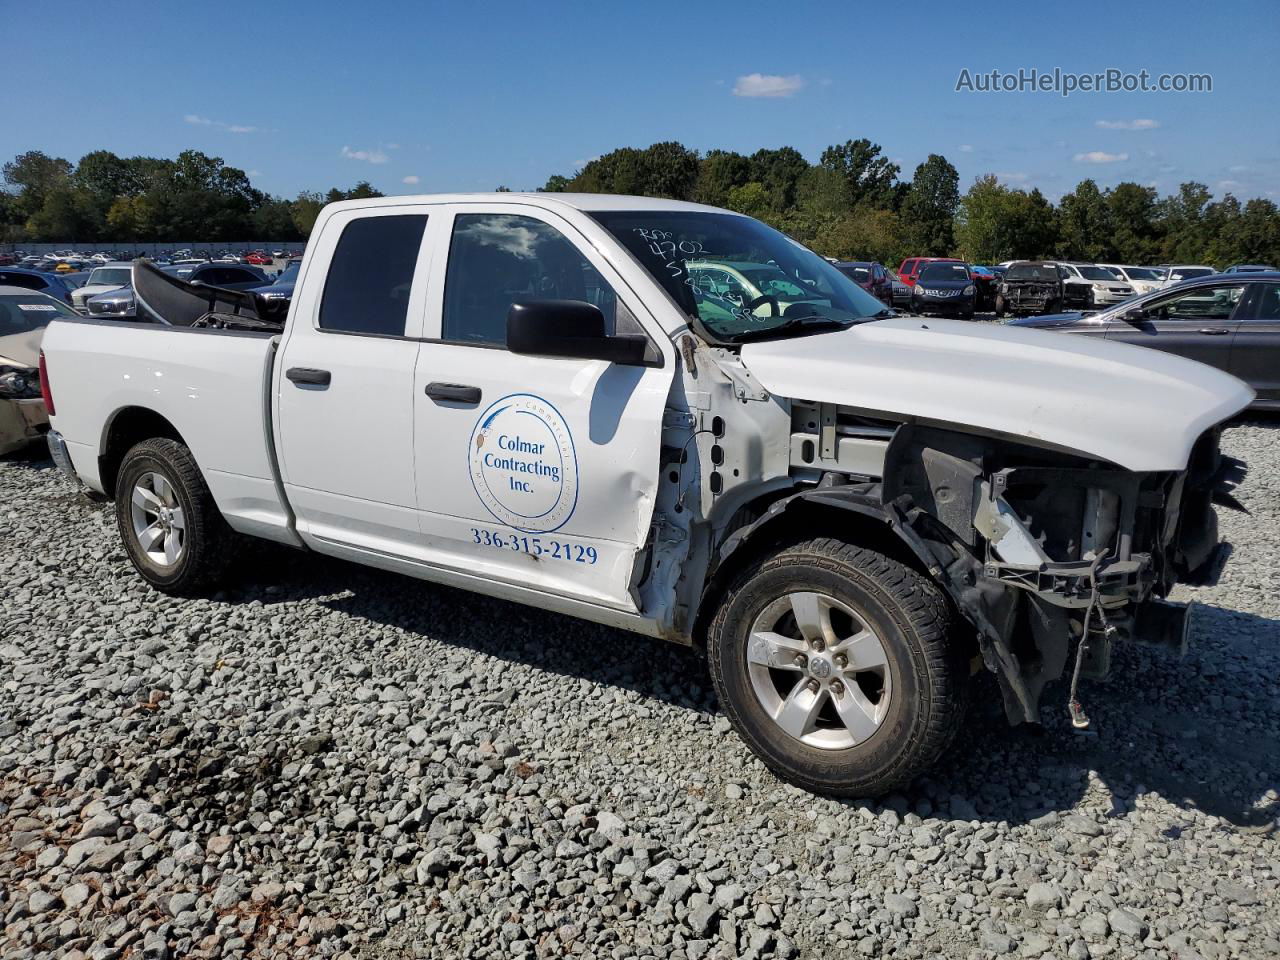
(46, 393)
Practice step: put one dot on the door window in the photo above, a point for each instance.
(1269, 302)
(371, 275)
(1213, 303)
(497, 259)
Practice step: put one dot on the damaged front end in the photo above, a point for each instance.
(1041, 550)
(22, 412)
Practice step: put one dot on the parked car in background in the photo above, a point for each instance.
(901, 290)
(1038, 286)
(986, 282)
(7, 259)
(1249, 268)
(1229, 321)
(122, 304)
(24, 314)
(870, 276)
(1176, 274)
(1099, 287)
(39, 280)
(945, 288)
(910, 269)
(258, 258)
(110, 276)
(1142, 279)
(281, 288)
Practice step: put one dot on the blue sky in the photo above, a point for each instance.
(467, 96)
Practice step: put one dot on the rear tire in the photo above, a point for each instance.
(171, 528)
(863, 727)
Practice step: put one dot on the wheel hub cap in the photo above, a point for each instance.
(819, 670)
(159, 525)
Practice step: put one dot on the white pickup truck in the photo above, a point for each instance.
(534, 397)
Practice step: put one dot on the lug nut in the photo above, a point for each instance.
(801, 660)
(813, 686)
(837, 688)
(818, 645)
(841, 661)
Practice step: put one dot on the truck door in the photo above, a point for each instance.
(1199, 324)
(538, 471)
(344, 380)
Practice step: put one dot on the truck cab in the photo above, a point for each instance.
(558, 399)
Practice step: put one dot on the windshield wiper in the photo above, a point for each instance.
(812, 322)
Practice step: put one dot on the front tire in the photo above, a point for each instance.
(171, 528)
(833, 663)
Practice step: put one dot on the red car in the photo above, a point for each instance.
(260, 258)
(910, 268)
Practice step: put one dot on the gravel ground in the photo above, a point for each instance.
(330, 761)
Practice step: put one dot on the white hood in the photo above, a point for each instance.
(1136, 407)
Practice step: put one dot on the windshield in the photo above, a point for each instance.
(1186, 273)
(1144, 273)
(941, 272)
(737, 277)
(1096, 273)
(857, 274)
(117, 276)
(1031, 271)
(22, 313)
(289, 273)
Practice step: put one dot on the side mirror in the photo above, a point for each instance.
(1135, 315)
(569, 328)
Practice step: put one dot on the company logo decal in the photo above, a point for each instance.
(523, 465)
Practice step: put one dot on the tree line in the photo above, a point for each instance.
(852, 204)
(107, 198)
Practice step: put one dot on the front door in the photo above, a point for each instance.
(1198, 324)
(537, 471)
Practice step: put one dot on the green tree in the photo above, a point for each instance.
(1132, 215)
(996, 223)
(35, 175)
(869, 175)
(750, 198)
(1084, 224)
(779, 172)
(555, 184)
(930, 206)
(720, 172)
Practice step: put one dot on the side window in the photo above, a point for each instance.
(371, 275)
(1269, 301)
(496, 259)
(1212, 303)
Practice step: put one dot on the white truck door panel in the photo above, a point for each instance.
(344, 380)
(545, 472)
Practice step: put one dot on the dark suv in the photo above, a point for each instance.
(1037, 286)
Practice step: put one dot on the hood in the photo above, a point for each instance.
(1139, 408)
(21, 349)
(1049, 320)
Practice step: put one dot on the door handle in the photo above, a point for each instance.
(310, 375)
(1214, 331)
(455, 392)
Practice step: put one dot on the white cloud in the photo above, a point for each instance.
(768, 85)
(966, 148)
(199, 121)
(254, 173)
(368, 156)
(393, 146)
(1127, 124)
(1229, 184)
(1100, 156)
(1013, 177)
(411, 179)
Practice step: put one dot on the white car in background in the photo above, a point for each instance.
(103, 279)
(1105, 289)
(1142, 279)
(1176, 273)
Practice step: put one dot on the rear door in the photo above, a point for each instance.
(1199, 324)
(344, 380)
(1255, 349)
(536, 471)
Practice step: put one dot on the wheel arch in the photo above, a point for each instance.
(122, 430)
(854, 515)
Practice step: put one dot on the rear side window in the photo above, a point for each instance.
(371, 275)
(22, 280)
(1269, 302)
(496, 259)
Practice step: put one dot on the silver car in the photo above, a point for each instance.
(109, 276)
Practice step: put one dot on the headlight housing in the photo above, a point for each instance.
(969, 290)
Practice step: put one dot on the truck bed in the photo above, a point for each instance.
(211, 385)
